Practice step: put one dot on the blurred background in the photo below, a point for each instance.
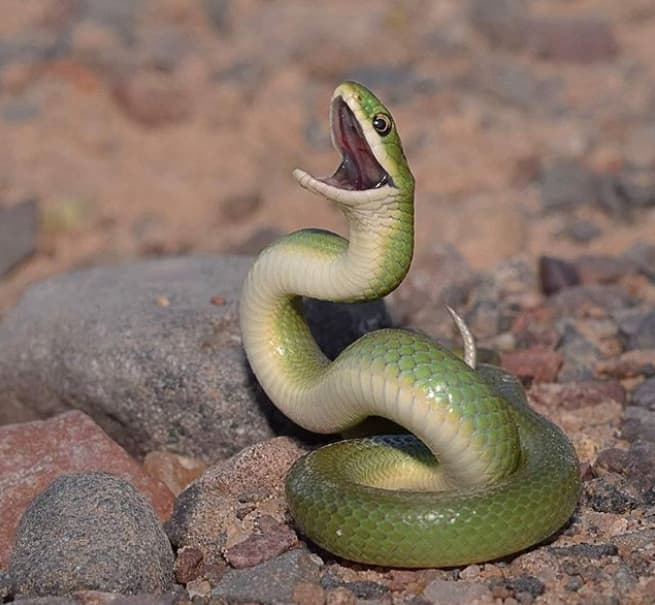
(133, 128)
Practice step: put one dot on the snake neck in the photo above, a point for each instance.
(318, 264)
(386, 373)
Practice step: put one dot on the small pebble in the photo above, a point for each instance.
(188, 564)
(259, 548)
(306, 593)
(198, 588)
(536, 363)
(556, 274)
(644, 395)
(340, 596)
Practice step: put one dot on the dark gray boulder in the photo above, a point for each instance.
(90, 531)
(152, 352)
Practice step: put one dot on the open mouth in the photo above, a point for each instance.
(359, 170)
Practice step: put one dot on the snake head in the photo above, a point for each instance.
(373, 165)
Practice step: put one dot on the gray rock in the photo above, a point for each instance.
(591, 551)
(582, 231)
(609, 494)
(218, 13)
(620, 194)
(644, 395)
(397, 83)
(510, 24)
(574, 300)
(484, 318)
(502, 22)
(119, 15)
(50, 600)
(441, 278)
(519, 86)
(228, 501)
(28, 46)
(638, 425)
(142, 349)
(604, 269)
(5, 585)
(566, 184)
(611, 459)
(18, 225)
(643, 255)
(270, 582)
(635, 541)
(165, 49)
(90, 531)
(640, 469)
(20, 110)
(521, 586)
(514, 275)
(555, 274)
(96, 597)
(362, 589)
(574, 40)
(579, 354)
(639, 331)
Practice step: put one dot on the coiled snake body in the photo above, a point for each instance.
(481, 475)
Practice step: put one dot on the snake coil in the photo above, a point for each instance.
(481, 475)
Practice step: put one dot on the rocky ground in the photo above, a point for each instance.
(146, 153)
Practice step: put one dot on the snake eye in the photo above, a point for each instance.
(382, 124)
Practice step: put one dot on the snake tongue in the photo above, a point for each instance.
(359, 170)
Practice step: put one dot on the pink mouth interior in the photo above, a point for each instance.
(359, 170)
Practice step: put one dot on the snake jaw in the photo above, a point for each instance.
(347, 197)
(360, 177)
(359, 169)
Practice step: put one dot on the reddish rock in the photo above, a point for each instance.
(604, 269)
(537, 363)
(308, 593)
(76, 74)
(402, 579)
(258, 548)
(174, 470)
(556, 274)
(33, 454)
(575, 40)
(240, 207)
(593, 300)
(581, 39)
(628, 365)
(576, 395)
(236, 500)
(526, 170)
(188, 564)
(612, 459)
(153, 99)
(535, 326)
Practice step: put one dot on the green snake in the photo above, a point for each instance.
(480, 475)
